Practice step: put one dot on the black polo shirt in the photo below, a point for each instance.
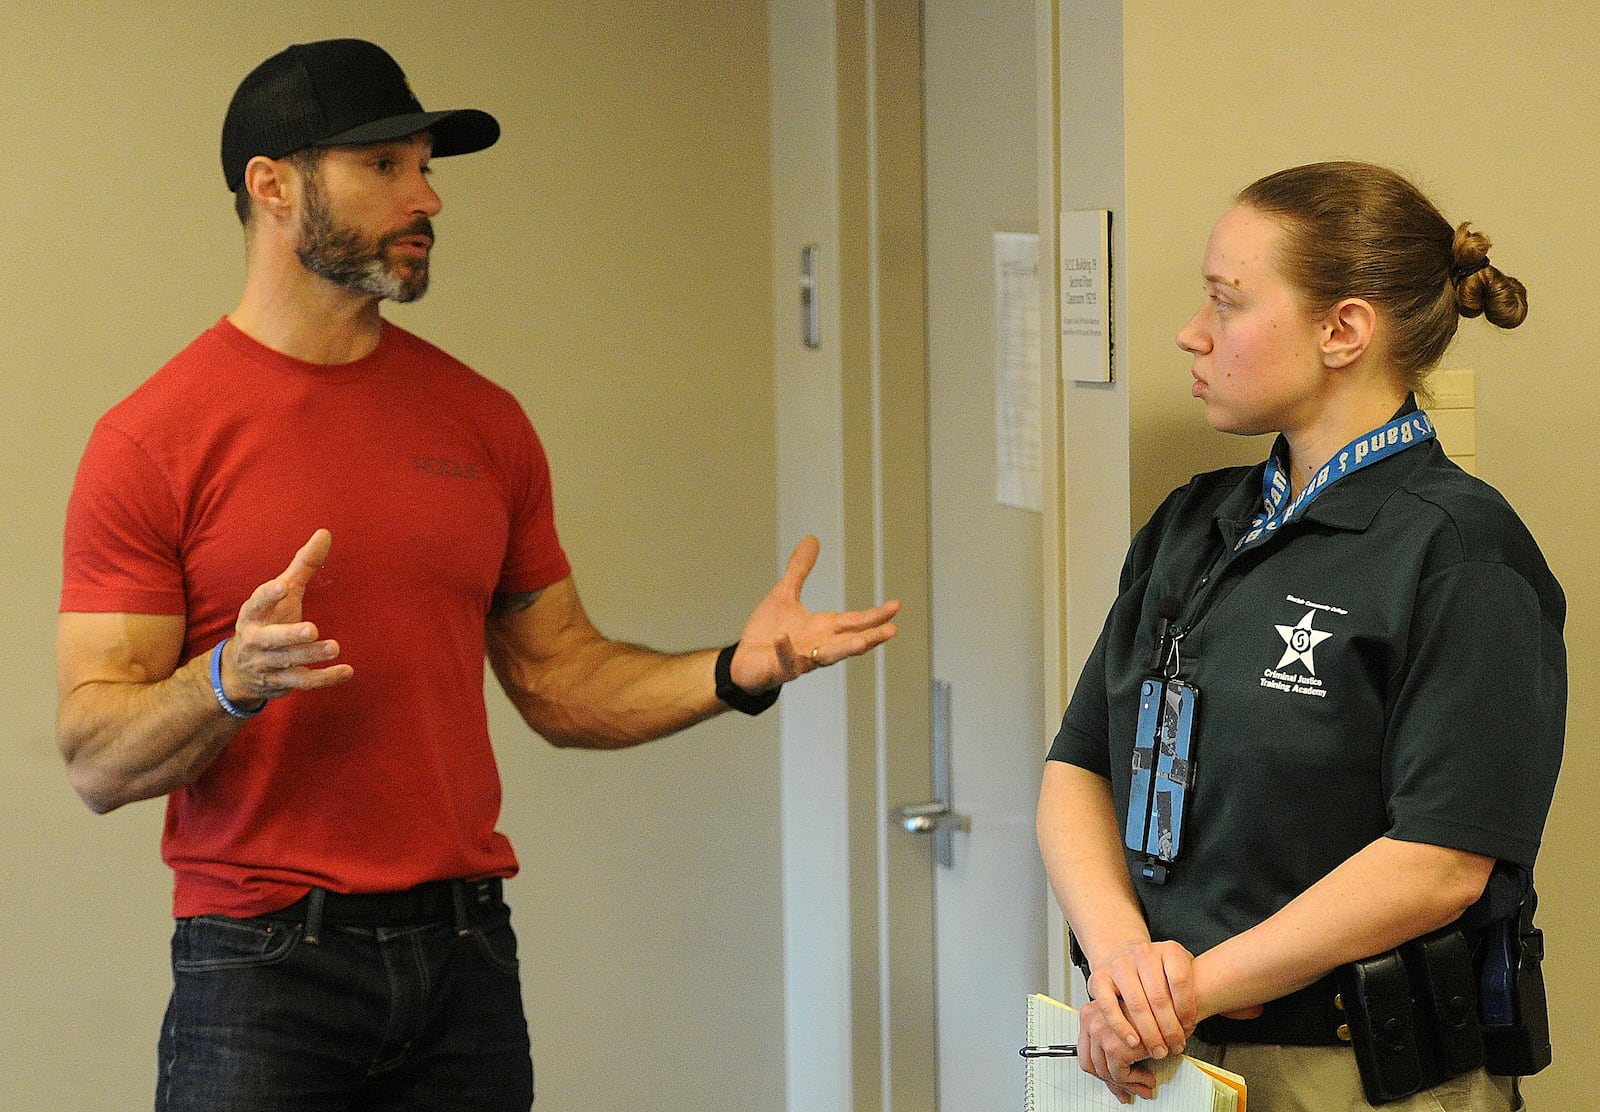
(1389, 663)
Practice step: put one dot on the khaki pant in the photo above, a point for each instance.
(1325, 1079)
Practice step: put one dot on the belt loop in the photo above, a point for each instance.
(314, 915)
(458, 895)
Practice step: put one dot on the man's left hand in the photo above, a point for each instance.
(783, 640)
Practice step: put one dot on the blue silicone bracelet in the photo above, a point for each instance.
(223, 701)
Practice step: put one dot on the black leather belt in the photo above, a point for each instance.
(441, 901)
(1309, 1017)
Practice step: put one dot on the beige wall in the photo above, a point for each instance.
(609, 262)
(1495, 117)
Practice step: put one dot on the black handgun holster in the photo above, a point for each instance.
(1516, 1024)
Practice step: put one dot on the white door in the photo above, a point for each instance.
(987, 606)
(906, 143)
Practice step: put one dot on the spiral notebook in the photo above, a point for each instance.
(1059, 1085)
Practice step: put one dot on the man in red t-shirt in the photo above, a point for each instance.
(313, 712)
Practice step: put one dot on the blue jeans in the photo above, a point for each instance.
(277, 1015)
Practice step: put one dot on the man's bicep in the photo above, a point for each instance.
(116, 648)
(548, 629)
(513, 602)
(534, 648)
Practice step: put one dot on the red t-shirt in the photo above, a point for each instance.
(202, 484)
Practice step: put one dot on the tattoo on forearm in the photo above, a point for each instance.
(513, 603)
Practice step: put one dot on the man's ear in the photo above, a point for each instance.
(270, 185)
(1348, 330)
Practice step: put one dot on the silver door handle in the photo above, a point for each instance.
(936, 817)
(929, 818)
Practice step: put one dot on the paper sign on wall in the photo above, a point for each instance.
(1085, 295)
(1016, 369)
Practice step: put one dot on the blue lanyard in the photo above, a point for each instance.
(1381, 443)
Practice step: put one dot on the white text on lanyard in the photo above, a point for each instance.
(1396, 436)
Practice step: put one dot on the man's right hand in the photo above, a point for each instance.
(273, 651)
(136, 721)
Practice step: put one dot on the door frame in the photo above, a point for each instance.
(860, 1023)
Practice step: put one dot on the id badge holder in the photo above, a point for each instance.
(1144, 763)
(1163, 773)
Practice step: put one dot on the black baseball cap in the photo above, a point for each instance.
(336, 92)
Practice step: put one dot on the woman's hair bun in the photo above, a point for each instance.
(1480, 288)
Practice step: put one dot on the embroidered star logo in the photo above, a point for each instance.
(1302, 641)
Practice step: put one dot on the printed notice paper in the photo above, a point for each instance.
(1060, 1085)
(1016, 370)
(1085, 296)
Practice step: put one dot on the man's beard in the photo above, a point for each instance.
(346, 258)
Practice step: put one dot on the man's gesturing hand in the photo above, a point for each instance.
(782, 639)
(273, 651)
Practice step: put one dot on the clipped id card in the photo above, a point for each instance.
(1163, 773)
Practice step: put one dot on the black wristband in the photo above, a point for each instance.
(734, 695)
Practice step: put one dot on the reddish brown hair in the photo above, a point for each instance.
(1353, 229)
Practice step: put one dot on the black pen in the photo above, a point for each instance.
(1054, 1050)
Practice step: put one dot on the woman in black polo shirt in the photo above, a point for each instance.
(1329, 699)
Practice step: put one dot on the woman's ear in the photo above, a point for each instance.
(1348, 330)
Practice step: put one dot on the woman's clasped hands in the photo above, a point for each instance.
(1143, 1005)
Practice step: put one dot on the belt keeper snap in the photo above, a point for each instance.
(313, 924)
